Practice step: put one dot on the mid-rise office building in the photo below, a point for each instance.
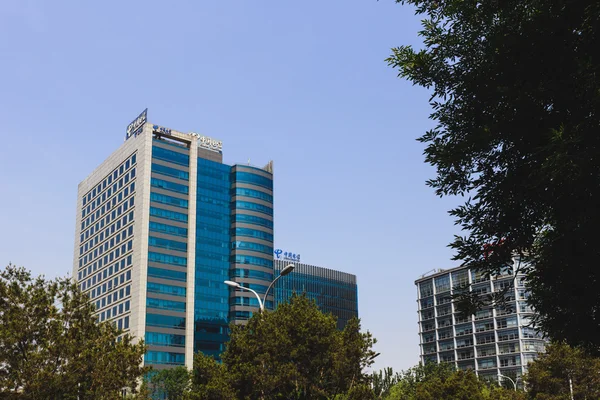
(161, 223)
(335, 292)
(495, 341)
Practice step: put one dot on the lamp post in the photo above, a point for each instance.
(261, 303)
(510, 379)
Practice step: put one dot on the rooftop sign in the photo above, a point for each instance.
(286, 255)
(208, 143)
(135, 127)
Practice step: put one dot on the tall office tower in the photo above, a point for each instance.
(160, 225)
(495, 341)
(335, 292)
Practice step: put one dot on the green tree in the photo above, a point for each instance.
(210, 380)
(441, 381)
(171, 382)
(297, 352)
(383, 381)
(515, 96)
(548, 376)
(51, 346)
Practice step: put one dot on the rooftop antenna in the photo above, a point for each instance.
(433, 270)
(248, 161)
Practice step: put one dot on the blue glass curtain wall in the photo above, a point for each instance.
(213, 240)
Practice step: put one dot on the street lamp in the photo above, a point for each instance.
(510, 379)
(261, 303)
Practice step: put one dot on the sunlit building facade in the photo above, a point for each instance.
(495, 342)
(334, 292)
(161, 223)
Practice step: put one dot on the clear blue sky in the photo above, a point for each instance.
(303, 83)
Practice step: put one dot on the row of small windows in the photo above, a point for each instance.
(170, 229)
(253, 219)
(121, 324)
(163, 304)
(169, 200)
(118, 309)
(167, 185)
(167, 274)
(218, 190)
(246, 205)
(177, 145)
(213, 257)
(248, 302)
(172, 172)
(253, 193)
(505, 335)
(166, 259)
(325, 290)
(109, 285)
(164, 339)
(249, 273)
(214, 173)
(109, 179)
(212, 201)
(168, 214)
(252, 233)
(328, 304)
(254, 179)
(170, 155)
(262, 262)
(250, 246)
(90, 231)
(261, 289)
(107, 194)
(113, 255)
(161, 357)
(167, 244)
(242, 315)
(110, 243)
(161, 288)
(119, 237)
(460, 279)
(99, 214)
(165, 321)
(120, 265)
(220, 230)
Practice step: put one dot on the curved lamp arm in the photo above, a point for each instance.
(262, 302)
(269, 288)
(289, 268)
(238, 286)
(510, 379)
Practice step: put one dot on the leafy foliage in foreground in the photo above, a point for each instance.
(548, 376)
(442, 381)
(516, 98)
(51, 346)
(297, 350)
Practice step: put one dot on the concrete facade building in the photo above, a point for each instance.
(335, 292)
(160, 224)
(495, 341)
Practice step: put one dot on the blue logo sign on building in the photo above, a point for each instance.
(160, 129)
(136, 126)
(286, 255)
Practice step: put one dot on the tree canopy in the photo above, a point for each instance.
(51, 346)
(297, 350)
(550, 376)
(171, 382)
(442, 381)
(516, 98)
